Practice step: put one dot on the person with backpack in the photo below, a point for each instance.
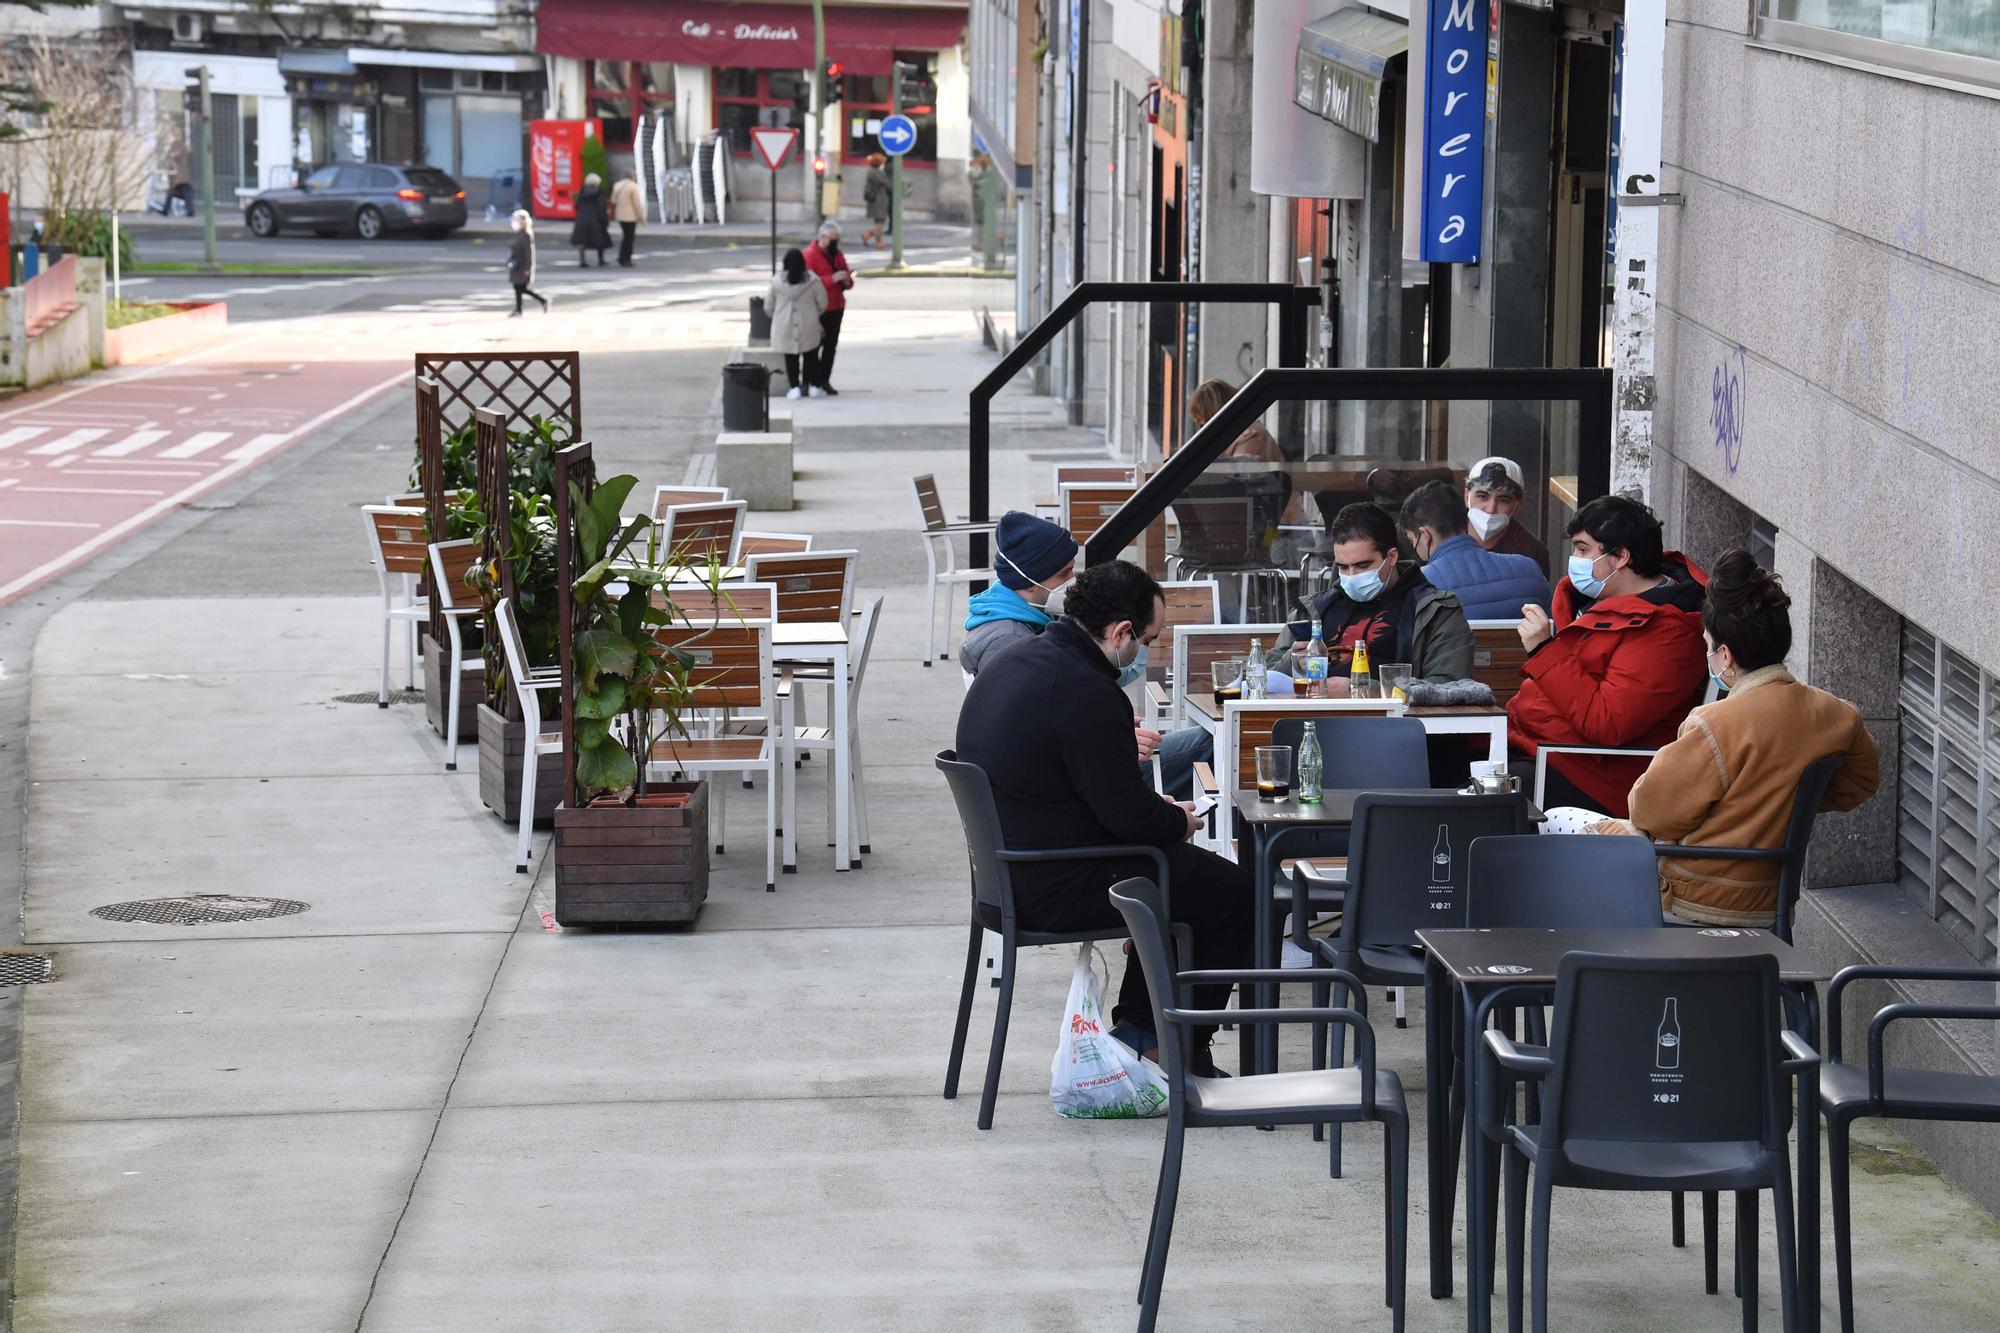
(795, 302)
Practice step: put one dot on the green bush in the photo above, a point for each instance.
(594, 161)
(89, 235)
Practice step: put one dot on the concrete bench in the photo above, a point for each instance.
(756, 466)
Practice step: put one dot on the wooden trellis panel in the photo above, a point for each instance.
(523, 384)
(430, 477)
(489, 445)
(573, 464)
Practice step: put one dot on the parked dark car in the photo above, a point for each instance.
(367, 198)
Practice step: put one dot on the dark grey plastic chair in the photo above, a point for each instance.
(993, 909)
(1702, 1106)
(1791, 856)
(1848, 1092)
(1392, 891)
(1303, 1097)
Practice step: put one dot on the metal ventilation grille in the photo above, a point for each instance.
(395, 697)
(199, 910)
(1948, 791)
(25, 969)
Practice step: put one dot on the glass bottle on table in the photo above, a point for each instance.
(1360, 676)
(1310, 766)
(1253, 671)
(1316, 662)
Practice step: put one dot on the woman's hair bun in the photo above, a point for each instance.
(1737, 583)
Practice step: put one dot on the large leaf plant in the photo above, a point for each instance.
(632, 690)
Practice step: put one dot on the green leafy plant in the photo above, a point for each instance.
(88, 234)
(527, 541)
(595, 163)
(632, 690)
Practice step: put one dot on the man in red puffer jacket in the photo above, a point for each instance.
(1621, 661)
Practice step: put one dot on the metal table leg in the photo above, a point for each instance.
(1437, 1079)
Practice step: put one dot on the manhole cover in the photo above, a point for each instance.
(199, 909)
(395, 697)
(25, 969)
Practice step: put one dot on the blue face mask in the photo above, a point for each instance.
(1721, 685)
(1363, 587)
(1135, 672)
(1581, 577)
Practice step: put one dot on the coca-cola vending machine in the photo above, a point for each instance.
(555, 165)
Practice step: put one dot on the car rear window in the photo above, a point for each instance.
(431, 181)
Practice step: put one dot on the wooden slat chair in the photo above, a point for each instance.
(808, 738)
(727, 605)
(397, 549)
(772, 543)
(813, 587)
(665, 497)
(941, 560)
(1069, 473)
(1497, 657)
(1197, 648)
(450, 563)
(731, 672)
(1084, 506)
(528, 684)
(697, 533)
(1245, 726)
(1188, 602)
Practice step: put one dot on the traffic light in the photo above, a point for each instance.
(196, 84)
(917, 90)
(819, 165)
(829, 82)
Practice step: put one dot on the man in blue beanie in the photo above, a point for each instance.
(1033, 558)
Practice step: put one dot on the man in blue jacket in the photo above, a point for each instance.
(1491, 585)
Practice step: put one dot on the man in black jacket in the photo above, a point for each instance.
(1053, 732)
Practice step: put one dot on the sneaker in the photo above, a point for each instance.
(794, 392)
(829, 391)
(515, 315)
(548, 304)
(818, 392)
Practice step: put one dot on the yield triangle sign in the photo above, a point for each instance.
(773, 144)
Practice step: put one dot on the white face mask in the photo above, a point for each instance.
(1487, 526)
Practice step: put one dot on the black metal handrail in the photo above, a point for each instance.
(1293, 301)
(1589, 389)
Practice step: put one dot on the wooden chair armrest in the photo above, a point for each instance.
(1204, 779)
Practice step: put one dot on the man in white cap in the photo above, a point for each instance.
(1493, 494)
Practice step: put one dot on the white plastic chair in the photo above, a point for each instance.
(528, 685)
(821, 738)
(397, 549)
(941, 559)
(450, 562)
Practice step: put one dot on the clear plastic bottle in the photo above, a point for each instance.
(1253, 671)
(1316, 662)
(1311, 764)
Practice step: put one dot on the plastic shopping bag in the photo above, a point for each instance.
(1095, 1076)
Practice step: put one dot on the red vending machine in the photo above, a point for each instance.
(555, 165)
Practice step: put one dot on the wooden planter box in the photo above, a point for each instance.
(500, 745)
(437, 689)
(622, 865)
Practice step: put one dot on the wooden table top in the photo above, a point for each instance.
(1519, 956)
(1203, 702)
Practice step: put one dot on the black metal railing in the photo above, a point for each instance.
(1589, 389)
(1293, 302)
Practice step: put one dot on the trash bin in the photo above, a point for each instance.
(760, 321)
(746, 396)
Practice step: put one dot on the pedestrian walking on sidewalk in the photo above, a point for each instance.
(796, 301)
(521, 262)
(590, 231)
(826, 261)
(875, 196)
(628, 209)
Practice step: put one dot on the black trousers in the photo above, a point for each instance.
(1210, 894)
(522, 289)
(628, 230)
(792, 360)
(819, 370)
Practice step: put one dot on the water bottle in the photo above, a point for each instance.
(1360, 678)
(1310, 766)
(1253, 671)
(1316, 662)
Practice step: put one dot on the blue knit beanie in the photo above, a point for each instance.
(1031, 550)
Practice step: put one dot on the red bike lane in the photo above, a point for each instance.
(83, 465)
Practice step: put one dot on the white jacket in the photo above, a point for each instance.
(795, 311)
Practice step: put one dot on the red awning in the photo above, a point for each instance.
(733, 36)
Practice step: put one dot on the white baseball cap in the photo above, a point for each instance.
(1495, 471)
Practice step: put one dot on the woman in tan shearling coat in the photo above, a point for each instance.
(1729, 778)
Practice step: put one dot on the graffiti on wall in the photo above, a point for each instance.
(1726, 406)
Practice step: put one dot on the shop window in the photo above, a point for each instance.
(748, 98)
(865, 100)
(623, 91)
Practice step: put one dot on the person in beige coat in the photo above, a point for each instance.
(1729, 778)
(795, 302)
(628, 210)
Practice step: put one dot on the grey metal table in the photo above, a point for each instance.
(1483, 966)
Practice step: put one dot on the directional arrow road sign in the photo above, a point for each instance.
(898, 134)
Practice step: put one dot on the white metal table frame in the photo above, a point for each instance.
(822, 642)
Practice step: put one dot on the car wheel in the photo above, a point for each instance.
(263, 220)
(368, 224)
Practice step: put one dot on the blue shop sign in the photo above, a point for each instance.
(1454, 171)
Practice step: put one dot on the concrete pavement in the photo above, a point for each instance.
(411, 1108)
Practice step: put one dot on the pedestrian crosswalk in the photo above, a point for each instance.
(149, 444)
